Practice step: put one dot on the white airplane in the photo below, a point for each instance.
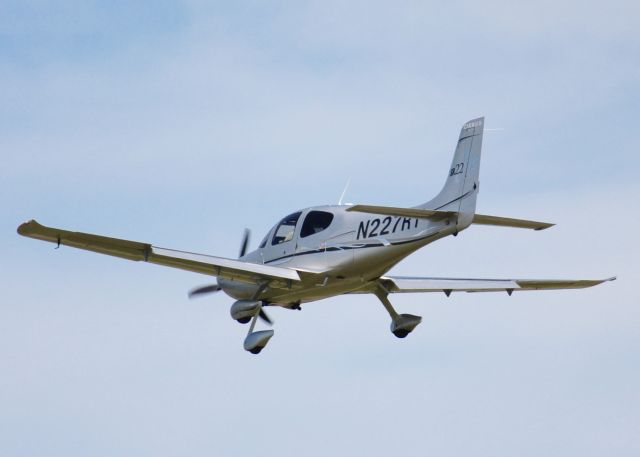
(324, 251)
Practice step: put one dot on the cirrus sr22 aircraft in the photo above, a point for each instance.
(324, 251)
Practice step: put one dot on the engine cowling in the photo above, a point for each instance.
(243, 310)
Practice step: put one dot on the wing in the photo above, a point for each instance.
(133, 250)
(400, 284)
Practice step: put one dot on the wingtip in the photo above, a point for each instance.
(25, 228)
(545, 226)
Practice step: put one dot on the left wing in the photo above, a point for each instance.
(402, 284)
(133, 250)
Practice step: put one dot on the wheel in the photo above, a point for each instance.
(244, 320)
(401, 333)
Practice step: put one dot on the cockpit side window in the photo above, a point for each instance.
(285, 229)
(315, 222)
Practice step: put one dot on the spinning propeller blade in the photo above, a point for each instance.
(245, 242)
(265, 317)
(204, 290)
(214, 287)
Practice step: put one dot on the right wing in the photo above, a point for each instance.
(133, 250)
(402, 284)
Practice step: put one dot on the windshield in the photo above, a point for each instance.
(285, 229)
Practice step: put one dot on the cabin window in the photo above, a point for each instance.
(315, 222)
(286, 228)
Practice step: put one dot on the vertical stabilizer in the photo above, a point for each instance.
(462, 185)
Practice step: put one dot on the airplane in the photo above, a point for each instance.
(324, 251)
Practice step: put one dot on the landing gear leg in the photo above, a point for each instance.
(256, 341)
(401, 324)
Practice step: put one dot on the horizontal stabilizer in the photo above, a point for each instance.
(483, 219)
(402, 212)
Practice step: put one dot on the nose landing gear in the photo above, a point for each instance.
(245, 310)
(256, 341)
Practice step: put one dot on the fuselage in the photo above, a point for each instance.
(348, 249)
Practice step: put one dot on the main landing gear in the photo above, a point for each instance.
(401, 324)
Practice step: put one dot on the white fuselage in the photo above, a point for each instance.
(352, 250)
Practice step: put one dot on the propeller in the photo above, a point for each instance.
(245, 242)
(204, 290)
(212, 288)
(265, 317)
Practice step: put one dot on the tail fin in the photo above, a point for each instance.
(462, 185)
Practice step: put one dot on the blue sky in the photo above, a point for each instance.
(181, 123)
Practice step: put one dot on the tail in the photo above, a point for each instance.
(462, 185)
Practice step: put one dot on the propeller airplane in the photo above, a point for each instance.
(324, 251)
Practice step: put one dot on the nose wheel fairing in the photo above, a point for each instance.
(256, 341)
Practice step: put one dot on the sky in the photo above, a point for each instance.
(182, 123)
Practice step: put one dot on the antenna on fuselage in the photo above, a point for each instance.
(344, 192)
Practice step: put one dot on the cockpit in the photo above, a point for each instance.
(314, 222)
